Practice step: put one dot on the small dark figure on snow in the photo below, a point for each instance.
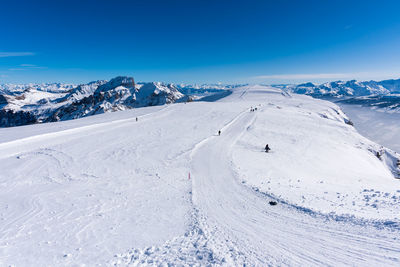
(219, 132)
(273, 203)
(267, 149)
(136, 119)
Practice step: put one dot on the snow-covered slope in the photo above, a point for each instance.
(110, 190)
(32, 105)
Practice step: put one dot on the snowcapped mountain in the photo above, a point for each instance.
(11, 89)
(28, 104)
(381, 95)
(33, 103)
(346, 88)
(118, 94)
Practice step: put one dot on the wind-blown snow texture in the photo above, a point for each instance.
(111, 190)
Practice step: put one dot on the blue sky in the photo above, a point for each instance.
(277, 41)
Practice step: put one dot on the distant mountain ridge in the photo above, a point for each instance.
(33, 103)
(49, 102)
(383, 95)
(44, 87)
(347, 88)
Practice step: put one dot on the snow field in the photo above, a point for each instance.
(107, 190)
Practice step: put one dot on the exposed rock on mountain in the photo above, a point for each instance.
(26, 105)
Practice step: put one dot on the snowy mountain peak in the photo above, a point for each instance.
(127, 82)
(30, 104)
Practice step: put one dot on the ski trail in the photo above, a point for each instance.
(242, 228)
(191, 249)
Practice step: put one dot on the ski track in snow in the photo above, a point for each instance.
(80, 208)
(244, 217)
(234, 225)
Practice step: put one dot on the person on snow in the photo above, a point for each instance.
(219, 132)
(267, 149)
(136, 119)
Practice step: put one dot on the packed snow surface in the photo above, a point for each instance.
(166, 188)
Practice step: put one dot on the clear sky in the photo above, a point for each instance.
(277, 41)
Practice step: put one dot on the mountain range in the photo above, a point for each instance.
(35, 103)
(346, 88)
(384, 95)
(27, 104)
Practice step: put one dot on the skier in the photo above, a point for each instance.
(136, 119)
(267, 149)
(219, 132)
(273, 203)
